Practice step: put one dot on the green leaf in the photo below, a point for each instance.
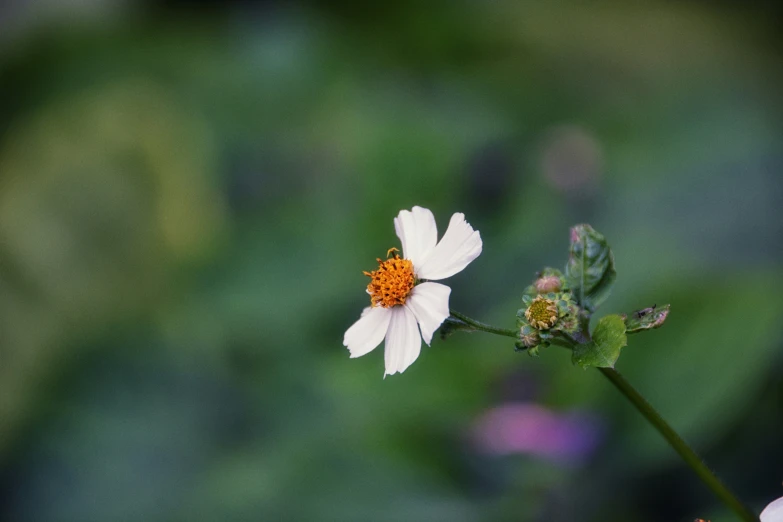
(646, 319)
(590, 270)
(603, 351)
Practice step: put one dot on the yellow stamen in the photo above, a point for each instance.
(391, 282)
(542, 313)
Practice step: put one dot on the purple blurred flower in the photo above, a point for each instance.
(529, 428)
(572, 160)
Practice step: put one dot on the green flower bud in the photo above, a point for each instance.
(528, 336)
(547, 281)
(548, 317)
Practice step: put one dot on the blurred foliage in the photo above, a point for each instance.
(188, 198)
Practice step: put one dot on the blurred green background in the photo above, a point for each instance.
(189, 194)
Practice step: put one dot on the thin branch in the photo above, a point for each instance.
(478, 325)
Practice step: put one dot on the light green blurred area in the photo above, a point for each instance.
(188, 198)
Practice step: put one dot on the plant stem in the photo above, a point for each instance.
(680, 446)
(484, 327)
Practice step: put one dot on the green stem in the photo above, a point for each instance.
(680, 446)
(484, 327)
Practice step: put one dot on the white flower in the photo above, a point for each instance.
(402, 296)
(773, 512)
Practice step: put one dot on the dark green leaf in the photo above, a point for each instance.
(608, 339)
(590, 270)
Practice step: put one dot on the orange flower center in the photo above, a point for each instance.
(391, 282)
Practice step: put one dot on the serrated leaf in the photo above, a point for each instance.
(646, 319)
(604, 350)
(590, 270)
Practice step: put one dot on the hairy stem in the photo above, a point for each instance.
(680, 446)
(478, 325)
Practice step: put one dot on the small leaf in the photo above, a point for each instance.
(646, 319)
(590, 270)
(604, 350)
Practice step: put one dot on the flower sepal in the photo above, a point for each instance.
(534, 351)
(568, 314)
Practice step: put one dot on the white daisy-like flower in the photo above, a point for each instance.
(403, 297)
(773, 512)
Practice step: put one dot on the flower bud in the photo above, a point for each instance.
(548, 283)
(529, 336)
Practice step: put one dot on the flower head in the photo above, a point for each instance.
(542, 313)
(392, 282)
(405, 305)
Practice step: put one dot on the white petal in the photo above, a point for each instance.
(403, 341)
(417, 232)
(429, 302)
(458, 247)
(773, 512)
(368, 332)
